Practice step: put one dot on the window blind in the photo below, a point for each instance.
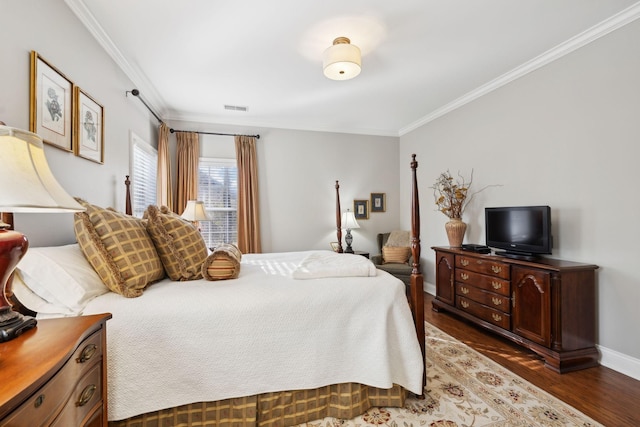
(144, 164)
(218, 189)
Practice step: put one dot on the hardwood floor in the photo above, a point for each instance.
(605, 395)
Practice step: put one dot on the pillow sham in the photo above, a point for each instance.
(395, 254)
(61, 276)
(179, 243)
(223, 263)
(119, 249)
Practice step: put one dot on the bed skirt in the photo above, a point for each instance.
(277, 409)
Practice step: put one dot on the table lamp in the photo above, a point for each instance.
(194, 212)
(349, 222)
(27, 186)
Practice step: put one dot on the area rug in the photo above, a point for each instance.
(464, 389)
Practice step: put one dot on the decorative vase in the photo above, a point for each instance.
(455, 232)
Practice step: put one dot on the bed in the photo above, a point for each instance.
(293, 337)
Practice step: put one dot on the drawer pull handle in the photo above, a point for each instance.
(464, 290)
(39, 401)
(496, 285)
(464, 276)
(496, 268)
(464, 304)
(464, 262)
(87, 353)
(496, 301)
(496, 317)
(86, 395)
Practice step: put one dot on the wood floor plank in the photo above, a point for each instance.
(603, 394)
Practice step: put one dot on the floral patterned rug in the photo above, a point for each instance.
(464, 389)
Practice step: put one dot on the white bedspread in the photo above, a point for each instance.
(183, 342)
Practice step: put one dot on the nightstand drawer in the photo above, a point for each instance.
(83, 400)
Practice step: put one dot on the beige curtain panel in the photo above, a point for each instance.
(188, 155)
(164, 193)
(248, 209)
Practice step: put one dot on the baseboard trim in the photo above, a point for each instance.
(611, 359)
(619, 362)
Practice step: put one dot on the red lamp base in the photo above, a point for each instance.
(13, 246)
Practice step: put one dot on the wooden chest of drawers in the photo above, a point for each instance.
(547, 305)
(55, 374)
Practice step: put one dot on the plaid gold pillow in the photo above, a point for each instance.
(118, 248)
(178, 242)
(395, 254)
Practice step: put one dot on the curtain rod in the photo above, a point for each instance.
(213, 133)
(136, 93)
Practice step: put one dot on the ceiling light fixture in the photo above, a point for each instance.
(342, 61)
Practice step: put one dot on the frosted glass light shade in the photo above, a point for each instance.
(195, 211)
(26, 182)
(342, 60)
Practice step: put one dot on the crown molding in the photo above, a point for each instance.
(140, 82)
(599, 30)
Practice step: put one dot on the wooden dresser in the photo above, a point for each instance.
(546, 305)
(55, 374)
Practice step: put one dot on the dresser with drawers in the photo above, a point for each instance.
(55, 374)
(547, 305)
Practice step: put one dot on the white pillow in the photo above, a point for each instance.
(33, 302)
(61, 276)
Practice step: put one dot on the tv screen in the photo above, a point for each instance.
(523, 231)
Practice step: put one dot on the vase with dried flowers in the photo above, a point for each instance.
(452, 197)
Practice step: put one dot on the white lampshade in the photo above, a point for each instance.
(27, 184)
(349, 221)
(342, 60)
(195, 211)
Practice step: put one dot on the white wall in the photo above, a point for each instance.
(567, 136)
(52, 30)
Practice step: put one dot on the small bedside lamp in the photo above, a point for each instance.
(27, 185)
(349, 222)
(195, 212)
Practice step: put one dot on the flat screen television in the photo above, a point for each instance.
(520, 231)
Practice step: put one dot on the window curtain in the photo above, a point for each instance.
(165, 195)
(248, 209)
(187, 154)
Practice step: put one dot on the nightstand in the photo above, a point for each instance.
(363, 253)
(55, 374)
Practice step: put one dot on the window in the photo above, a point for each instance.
(144, 163)
(218, 189)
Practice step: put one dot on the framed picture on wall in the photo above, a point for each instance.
(89, 128)
(50, 104)
(378, 202)
(361, 209)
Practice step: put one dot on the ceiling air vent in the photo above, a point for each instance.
(235, 108)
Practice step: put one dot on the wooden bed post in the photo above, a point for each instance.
(338, 218)
(127, 208)
(417, 281)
